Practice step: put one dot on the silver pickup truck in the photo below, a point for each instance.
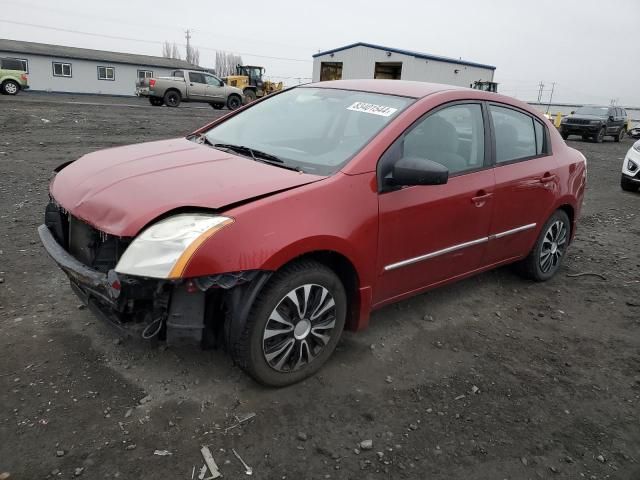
(189, 86)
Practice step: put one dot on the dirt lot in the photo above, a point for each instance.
(492, 378)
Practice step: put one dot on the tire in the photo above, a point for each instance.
(217, 106)
(544, 260)
(234, 102)
(627, 185)
(249, 95)
(620, 135)
(599, 137)
(172, 98)
(155, 101)
(564, 135)
(9, 87)
(285, 358)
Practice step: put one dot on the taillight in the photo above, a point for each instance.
(24, 77)
(152, 82)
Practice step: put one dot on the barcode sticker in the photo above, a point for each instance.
(373, 109)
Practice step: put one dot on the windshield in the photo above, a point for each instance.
(597, 111)
(314, 129)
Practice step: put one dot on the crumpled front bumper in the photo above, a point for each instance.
(91, 281)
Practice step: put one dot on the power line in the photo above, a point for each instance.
(154, 42)
(147, 24)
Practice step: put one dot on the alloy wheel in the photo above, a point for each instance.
(553, 246)
(299, 328)
(11, 88)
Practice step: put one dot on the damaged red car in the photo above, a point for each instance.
(276, 227)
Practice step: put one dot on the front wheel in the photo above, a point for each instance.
(234, 102)
(599, 137)
(547, 254)
(294, 325)
(249, 95)
(627, 185)
(10, 87)
(620, 135)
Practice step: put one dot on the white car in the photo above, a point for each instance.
(630, 180)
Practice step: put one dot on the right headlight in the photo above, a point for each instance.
(164, 249)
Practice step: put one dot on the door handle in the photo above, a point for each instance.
(547, 177)
(481, 197)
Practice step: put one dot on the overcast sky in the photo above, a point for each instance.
(589, 48)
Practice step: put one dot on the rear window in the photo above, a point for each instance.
(13, 64)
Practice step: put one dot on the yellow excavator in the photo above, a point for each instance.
(249, 79)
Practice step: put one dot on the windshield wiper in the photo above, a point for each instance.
(257, 155)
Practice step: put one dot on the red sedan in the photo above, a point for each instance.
(279, 225)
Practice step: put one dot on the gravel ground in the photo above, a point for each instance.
(494, 377)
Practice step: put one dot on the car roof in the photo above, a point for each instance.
(405, 88)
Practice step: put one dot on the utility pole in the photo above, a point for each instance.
(188, 37)
(553, 86)
(541, 85)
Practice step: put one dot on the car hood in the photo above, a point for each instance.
(588, 117)
(120, 190)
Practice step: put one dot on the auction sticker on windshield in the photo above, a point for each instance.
(373, 109)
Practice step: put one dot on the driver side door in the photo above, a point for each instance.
(431, 234)
(215, 88)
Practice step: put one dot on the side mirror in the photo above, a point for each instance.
(611, 118)
(572, 112)
(419, 171)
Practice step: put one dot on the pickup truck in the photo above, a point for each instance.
(12, 77)
(189, 86)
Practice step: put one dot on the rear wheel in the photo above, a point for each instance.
(599, 137)
(155, 101)
(547, 254)
(10, 87)
(234, 102)
(172, 98)
(294, 325)
(620, 135)
(249, 95)
(627, 185)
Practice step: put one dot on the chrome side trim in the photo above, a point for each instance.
(460, 246)
(512, 231)
(437, 253)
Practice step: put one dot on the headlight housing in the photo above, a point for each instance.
(164, 249)
(595, 122)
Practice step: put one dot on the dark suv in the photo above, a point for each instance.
(596, 123)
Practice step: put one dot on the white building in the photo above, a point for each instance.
(365, 60)
(55, 68)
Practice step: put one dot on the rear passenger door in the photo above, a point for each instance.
(526, 175)
(196, 86)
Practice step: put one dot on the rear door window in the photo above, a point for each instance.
(514, 133)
